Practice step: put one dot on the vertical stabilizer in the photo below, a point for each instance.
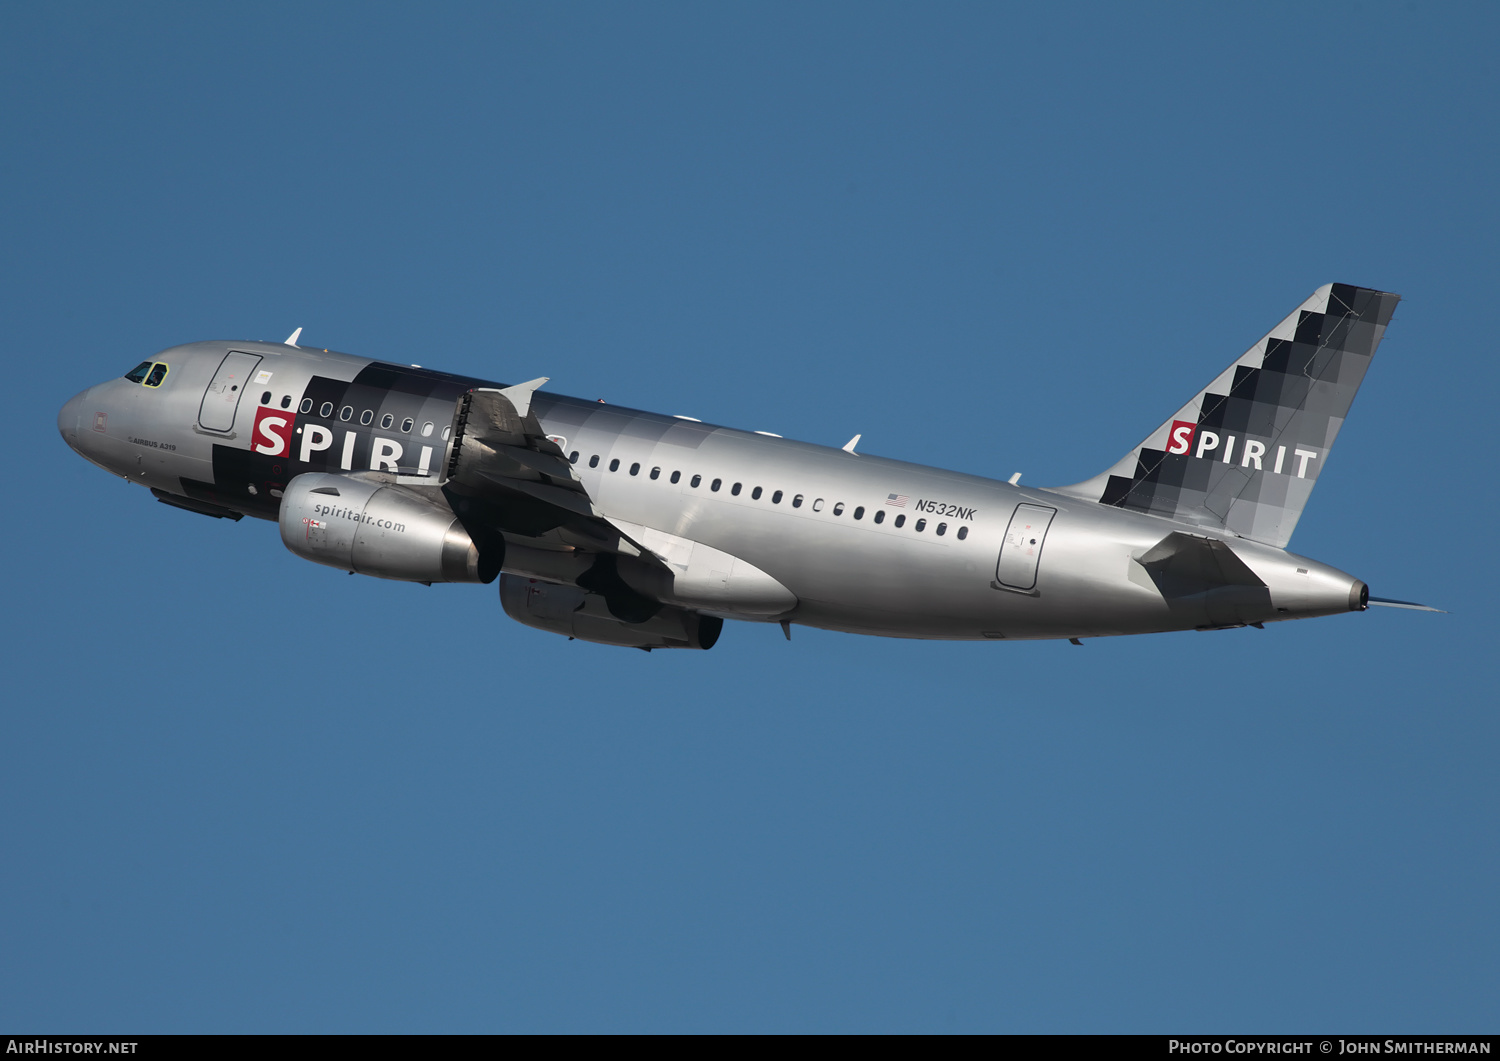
(1244, 454)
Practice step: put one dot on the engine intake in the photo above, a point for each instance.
(377, 528)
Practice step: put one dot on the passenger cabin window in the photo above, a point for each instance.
(447, 431)
(386, 421)
(346, 412)
(901, 520)
(406, 425)
(426, 429)
(921, 526)
(716, 484)
(306, 406)
(573, 457)
(265, 399)
(286, 401)
(594, 461)
(139, 373)
(656, 473)
(880, 515)
(366, 416)
(963, 532)
(158, 373)
(797, 501)
(859, 513)
(755, 494)
(695, 481)
(676, 477)
(325, 410)
(635, 469)
(735, 489)
(776, 498)
(818, 505)
(942, 529)
(838, 509)
(614, 465)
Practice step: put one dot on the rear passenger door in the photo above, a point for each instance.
(1022, 549)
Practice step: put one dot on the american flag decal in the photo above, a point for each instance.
(897, 500)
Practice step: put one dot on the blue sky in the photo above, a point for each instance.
(245, 793)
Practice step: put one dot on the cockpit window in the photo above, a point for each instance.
(158, 373)
(138, 374)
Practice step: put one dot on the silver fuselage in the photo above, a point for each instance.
(788, 508)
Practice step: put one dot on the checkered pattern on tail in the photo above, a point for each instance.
(1244, 454)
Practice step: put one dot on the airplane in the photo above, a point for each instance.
(623, 527)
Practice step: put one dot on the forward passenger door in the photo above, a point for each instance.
(222, 398)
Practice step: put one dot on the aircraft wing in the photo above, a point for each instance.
(501, 455)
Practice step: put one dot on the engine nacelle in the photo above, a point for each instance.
(377, 528)
(575, 612)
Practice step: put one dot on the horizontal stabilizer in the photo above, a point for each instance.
(1204, 582)
(1185, 563)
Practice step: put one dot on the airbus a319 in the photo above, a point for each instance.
(631, 528)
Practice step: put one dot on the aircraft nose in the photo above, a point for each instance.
(67, 419)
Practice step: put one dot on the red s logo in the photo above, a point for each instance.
(272, 433)
(1180, 437)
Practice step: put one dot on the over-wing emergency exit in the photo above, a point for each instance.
(631, 528)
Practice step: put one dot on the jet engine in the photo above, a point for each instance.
(369, 525)
(575, 612)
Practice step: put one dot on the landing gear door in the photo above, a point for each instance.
(225, 390)
(1022, 549)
